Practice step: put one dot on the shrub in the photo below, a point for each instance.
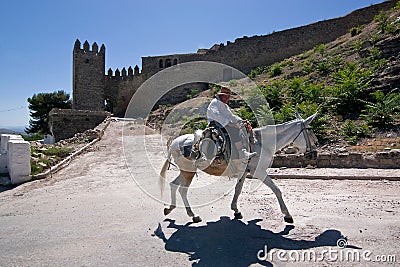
(193, 124)
(320, 122)
(355, 31)
(385, 24)
(273, 94)
(382, 19)
(397, 7)
(349, 89)
(233, 83)
(246, 114)
(308, 66)
(300, 90)
(257, 71)
(61, 152)
(275, 70)
(285, 113)
(383, 111)
(357, 45)
(324, 67)
(375, 38)
(320, 49)
(375, 59)
(353, 131)
(264, 116)
(33, 137)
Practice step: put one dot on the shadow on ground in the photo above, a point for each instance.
(229, 242)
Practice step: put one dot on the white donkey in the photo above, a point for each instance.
(297, 132)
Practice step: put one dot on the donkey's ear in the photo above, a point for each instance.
(309, 119)
(298, 116)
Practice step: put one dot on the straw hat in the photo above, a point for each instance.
(224, 91)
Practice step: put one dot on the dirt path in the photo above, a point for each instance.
(93, 213)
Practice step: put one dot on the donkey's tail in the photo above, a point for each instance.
(164, 168)
(162, 176)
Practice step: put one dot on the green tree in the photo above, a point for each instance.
(40, 106)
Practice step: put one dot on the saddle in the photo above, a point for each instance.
(211, 143)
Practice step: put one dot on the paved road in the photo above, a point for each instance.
(93, 213)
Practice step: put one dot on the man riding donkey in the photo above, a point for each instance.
(220, 117)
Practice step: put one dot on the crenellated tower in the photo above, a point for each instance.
(88, 82)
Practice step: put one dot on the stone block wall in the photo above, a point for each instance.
(381, 160)
(65, 123)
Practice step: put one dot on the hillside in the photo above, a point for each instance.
(12, 130)
(353, 82)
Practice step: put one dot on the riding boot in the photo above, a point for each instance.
(245, 155)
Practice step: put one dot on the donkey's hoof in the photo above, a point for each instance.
(289, 219)
(196, 219)
(167, 211)
(238, 216)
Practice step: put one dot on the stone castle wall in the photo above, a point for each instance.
(96, 90)
(247, 53)
(92, 88)
(65, 123)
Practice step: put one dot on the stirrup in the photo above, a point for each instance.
(248, 155)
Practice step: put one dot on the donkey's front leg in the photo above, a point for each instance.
(288, 218)
(238, 190)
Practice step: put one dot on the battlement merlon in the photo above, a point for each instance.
(86, 48)
(123, 73)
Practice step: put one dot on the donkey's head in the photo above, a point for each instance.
(306, 139)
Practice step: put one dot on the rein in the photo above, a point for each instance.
(309, 152)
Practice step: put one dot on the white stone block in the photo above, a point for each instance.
(19, 165)
(3, 143)
(5, 138)
(3, 163)
(48, 139)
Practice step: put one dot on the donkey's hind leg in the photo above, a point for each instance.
(174, 186)
(183, 188)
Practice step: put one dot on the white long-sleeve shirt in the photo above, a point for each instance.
(220, 112)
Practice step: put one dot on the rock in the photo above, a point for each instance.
(341, 149)
(44, 165)
(290, 150)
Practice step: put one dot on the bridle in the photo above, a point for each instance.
(310, 152)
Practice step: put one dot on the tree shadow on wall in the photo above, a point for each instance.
(233, 243)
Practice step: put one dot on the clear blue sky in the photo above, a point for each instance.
(37, 36)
